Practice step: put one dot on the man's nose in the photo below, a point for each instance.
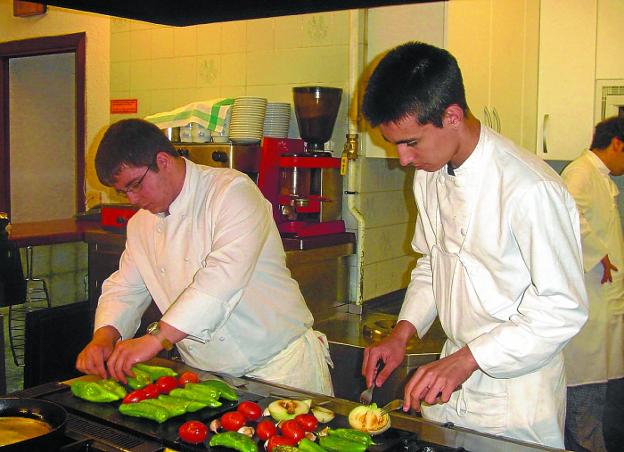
(405, 157)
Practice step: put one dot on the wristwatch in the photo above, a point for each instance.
(154, 330)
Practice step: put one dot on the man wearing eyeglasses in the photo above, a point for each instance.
(205, 248)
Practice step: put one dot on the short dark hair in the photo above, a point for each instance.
(414, 79)
(130, 142)
(606, 130)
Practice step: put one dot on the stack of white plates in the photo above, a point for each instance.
(247, 119)
(277, 120)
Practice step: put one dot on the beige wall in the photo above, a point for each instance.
(59, 21)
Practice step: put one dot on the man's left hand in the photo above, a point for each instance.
(129, 352)
(607, 268)
(436, 381)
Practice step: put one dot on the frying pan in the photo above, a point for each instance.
(42, 410)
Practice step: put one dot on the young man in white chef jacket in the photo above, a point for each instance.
(501, 258)
(596, 354)
(204, 246)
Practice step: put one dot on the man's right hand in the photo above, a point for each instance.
(91, 360)
(391, 351)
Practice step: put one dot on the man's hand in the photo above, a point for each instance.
(129, 352)
(439, 379)
(607, 268)
(391, 351)
(91, 359)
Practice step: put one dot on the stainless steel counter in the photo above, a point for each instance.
(348, 335)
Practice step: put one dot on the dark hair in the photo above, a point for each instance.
(131, 142)
(414, 79)
(606, 130)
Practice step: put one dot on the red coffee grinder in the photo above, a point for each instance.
(300, 179)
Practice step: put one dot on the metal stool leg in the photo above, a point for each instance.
(36, 298)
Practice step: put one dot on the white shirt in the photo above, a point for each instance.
(216, 267)
(522, 254)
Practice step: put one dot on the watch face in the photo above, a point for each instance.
(153, 328)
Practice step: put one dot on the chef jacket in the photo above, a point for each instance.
(216, 268)
(506, 280)
(601, 341)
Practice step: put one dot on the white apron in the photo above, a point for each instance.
(530, 407)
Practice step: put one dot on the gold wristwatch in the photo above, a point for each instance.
(154, 330)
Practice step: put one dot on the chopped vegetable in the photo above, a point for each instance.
(140, 379)
(265, 429)
(305, 445)
(292, 429)
(155, 372)
(166, 384)
(277, 440)
(234, 440)
(352, 435)
(335, 443)
(322, 414)
(225, 390)
(146, 409)
(307, 422)
(369, 418)
(284, 409)
(250, 410)
(197, 396)
(188, 377)
(96, 391)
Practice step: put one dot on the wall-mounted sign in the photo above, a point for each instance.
(26, 9)
(124, 106)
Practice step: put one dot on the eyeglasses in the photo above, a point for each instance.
(135, 186)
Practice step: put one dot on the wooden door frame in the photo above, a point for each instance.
(71, 43)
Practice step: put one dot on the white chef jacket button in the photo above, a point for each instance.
(221, 338)
(463, 231)
(186, 259)
(190, 347)
(162, 269)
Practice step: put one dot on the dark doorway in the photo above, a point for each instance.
(66, 44)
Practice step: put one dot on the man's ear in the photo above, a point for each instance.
(453, 116)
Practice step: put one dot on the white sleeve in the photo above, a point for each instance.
(554, 307)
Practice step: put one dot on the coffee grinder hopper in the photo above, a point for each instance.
(316, 108)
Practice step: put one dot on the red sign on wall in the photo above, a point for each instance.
(124, 106)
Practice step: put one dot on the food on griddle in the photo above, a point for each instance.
(225, 390)
(234, 440)
(284, 409)
(193, 432)
(100, 391)
(147, 409)
(369, 418)
(251, 410)
(14, 429)
(322, 414)
(140, 379)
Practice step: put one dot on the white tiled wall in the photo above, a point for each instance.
(167, 67)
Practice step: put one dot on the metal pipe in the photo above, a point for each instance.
(356, 56)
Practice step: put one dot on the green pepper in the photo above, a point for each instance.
(155, 372)
(305, 445)
(197, 396)
(234, 440)
(93, 392)
(352, 435)
(140, 379)
(146, 409)
(190, 406)
(286, 449)
(114, 387)
(334, 443)
(175, 408)
(225, 390)
(204, 389)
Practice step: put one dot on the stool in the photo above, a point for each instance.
(37, 297)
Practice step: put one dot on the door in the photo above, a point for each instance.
(72, 47)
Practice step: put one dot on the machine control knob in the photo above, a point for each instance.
(301, 202)
(219, 156)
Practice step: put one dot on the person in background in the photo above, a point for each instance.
(596, 354)
(204, 246)
(500, 265)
